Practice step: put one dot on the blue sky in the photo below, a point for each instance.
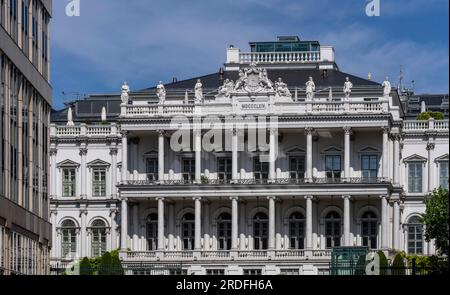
(142, 41)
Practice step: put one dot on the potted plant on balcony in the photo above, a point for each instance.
(204, 179)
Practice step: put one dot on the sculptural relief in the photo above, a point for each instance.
(282, 89)
(161, 92)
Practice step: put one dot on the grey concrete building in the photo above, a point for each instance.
(25, 103)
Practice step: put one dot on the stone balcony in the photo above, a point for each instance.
(422, 126)
(238, 255)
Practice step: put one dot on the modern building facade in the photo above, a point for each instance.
(260, 168)
(25, 102)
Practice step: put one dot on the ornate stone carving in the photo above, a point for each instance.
(226, 88)
(347, 130)
(347, 87)
(83, 151)
(161, 92)
(282, 89)
(430, 146)
(387, 88)
(70, 117)
(198, 92)
(310, 88)
(125, 93)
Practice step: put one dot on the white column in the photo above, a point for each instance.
(171, 226)
(161, 236)
(54, 193)
(309, 221)
(242, 225)
(396, 225)
(124, 157)
(272, 151)
(346, 220)
(136, 227)
(161, 155)
(384, 222)
(206, 225)
(385, 167)
(309, 152)
(278, 225)
(113, 231)
(113, 153)
(396, 159)
(430, 184)
(198, 227)
(53, 216)
(234, 223)
(124, 225)
(234, 155)
(135, 158)
(271, 223)
(198, 155)
(83, 233)
(83, 170)
(347, 131)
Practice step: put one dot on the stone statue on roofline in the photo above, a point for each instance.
(264, 80)
(347, 87)
(282, 89)
(70, 117)
(161, 92)
(125, 93)
(198, 91)
(310, 88)
(387, 88)
(241, 82)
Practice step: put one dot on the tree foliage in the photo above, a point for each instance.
(383, 263)
(398, 264)
(105, 264)
(436, 220)
(428, 115)
(85, 267)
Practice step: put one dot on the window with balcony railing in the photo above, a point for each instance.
(69, 182)
(260, 231)
(333, 167)
(224, 231)
(297, 167)
(369, 167)
(152, 231)
(152, 169)
(188, 169)
(260, 169)
(333, 229)
(369, 229)
(224, 168)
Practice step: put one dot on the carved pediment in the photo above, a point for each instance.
(415, 158)
(443, 158)
(98, 163)
(67, 163)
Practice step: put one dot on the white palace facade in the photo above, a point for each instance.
(336, 164)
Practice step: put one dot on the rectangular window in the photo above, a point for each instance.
(415, 177)
(152, 169)
(252, 272)
(369, 167)
(260, 169)
(215, 272)
(69, 182)
(99, 182)
(224, 166)
(297, 167)
(188, 169)
(333, 167)
(443, 174)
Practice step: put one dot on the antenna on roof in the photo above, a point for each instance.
(71, 97)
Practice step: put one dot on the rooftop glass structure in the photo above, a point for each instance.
(285, 44)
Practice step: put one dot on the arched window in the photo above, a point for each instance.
(69, 238)
(415, 235)
(98, 244)
(297, 230)
(369, 229)
(260, 224)
(224, 231)
(152, 231)
(188, 231)
(333, 229)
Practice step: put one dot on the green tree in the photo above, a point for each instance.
(361, 266)
(105, 264)
(436, 219)
(383, 263)
(398, 265)
(428, 115)
(116, 265)
(85, 267)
